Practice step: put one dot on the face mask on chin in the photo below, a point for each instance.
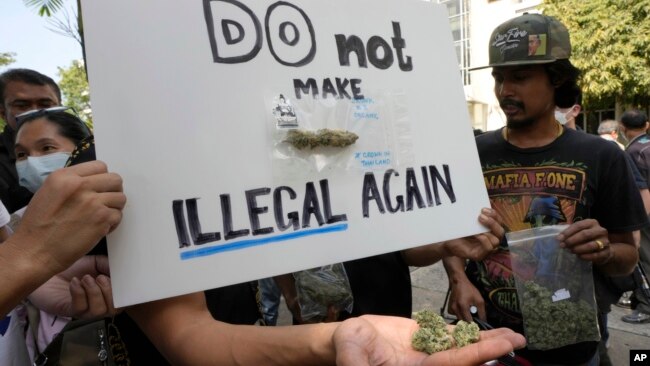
(33, 170)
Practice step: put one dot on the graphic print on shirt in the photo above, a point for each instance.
(526, 197)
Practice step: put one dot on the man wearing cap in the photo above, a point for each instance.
(539, 173)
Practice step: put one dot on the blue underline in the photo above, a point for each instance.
(204, 252)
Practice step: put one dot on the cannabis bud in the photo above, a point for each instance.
(433, 335)
(545, 320)
(322, 287)
(302, 139)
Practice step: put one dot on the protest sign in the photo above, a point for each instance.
(260, 138)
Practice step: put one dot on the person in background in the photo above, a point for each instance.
(21, 90)
(567, 116)
(634, 125)
(45, 139)
(608, 130)
(74, 208)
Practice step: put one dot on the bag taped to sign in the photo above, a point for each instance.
(329, 134)
(555, 289)
(323, 290)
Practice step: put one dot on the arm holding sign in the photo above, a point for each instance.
(184, 331)
(74, 208)
(472, 247)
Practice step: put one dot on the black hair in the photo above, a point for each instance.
(634, 119)
(26, 76)
(565, 76)
(69, 125)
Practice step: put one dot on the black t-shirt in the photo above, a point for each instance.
(380, 285)
(577, 176)
(639, 151)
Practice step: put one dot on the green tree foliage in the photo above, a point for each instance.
(610, 45)
(66, 26)
(44, 7)
(6, 58)
(74, 87)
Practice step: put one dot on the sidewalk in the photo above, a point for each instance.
(430, 287)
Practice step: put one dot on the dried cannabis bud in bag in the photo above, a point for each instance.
(545, 321)
(433, 335)
(319, 288)
(302, 139)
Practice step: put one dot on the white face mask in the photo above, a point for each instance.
(33, 170)
(560, 117)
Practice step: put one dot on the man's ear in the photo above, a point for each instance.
(557, 81)
(577, 108)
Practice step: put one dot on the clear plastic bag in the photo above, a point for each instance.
(378, 123)
(320, 288)
(555, 290)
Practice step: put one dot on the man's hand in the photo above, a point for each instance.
(463, 296)
(378, 340)
(89, 297)
(74, 208)
(588, 240)
(615, 254)
(479, 246)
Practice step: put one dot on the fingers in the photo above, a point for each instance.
(481, 311)
(581, 232)
(89, 168)
(91, 297)
(462, 298)
(491, 220)
(332, 314)
(461, 310)
(101, 264)
(106, 182)
(492, 345)
(79, 303)
(74, 208)
(489, 243)
(95, 298)
(104, 283)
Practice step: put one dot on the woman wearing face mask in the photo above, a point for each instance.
(44, 141)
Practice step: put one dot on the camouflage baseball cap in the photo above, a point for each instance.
(527, 40)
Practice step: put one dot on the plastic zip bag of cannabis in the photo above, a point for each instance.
(320, 288)
(555, 289)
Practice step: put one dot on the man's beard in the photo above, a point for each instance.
(515, 125)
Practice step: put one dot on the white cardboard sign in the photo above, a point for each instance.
(193, 101)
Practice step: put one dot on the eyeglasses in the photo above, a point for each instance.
(37, 113)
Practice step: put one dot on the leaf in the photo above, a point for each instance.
(45, 7)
